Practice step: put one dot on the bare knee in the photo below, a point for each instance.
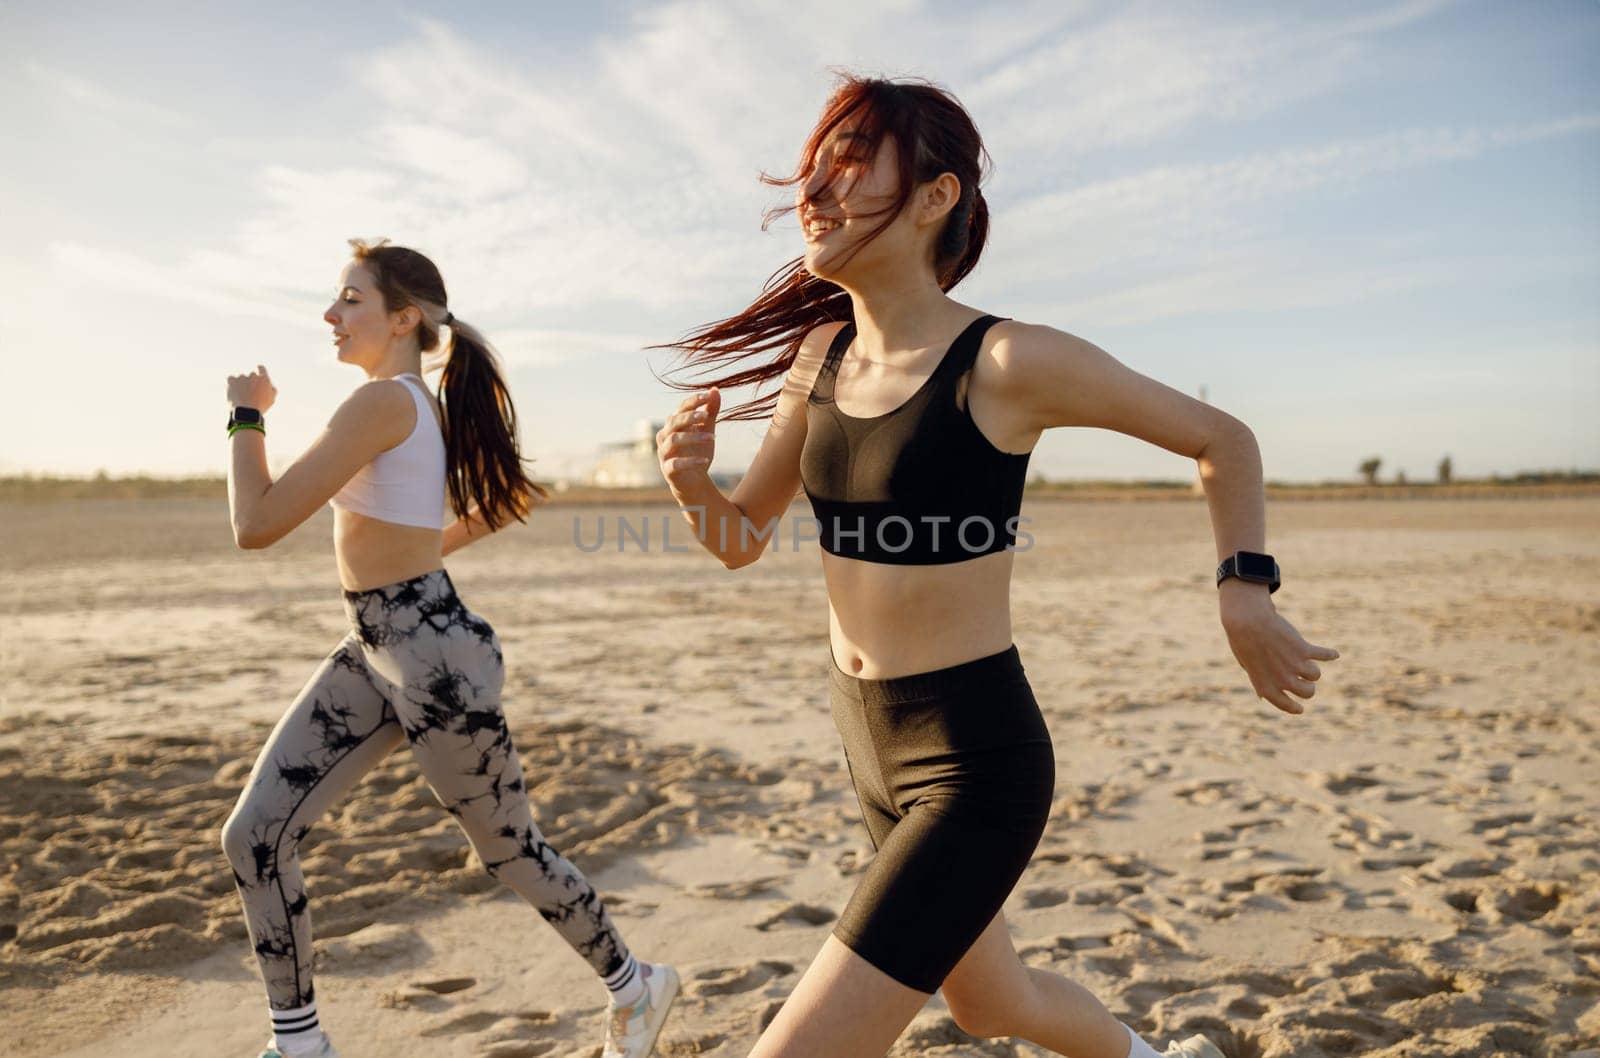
(982, 1012)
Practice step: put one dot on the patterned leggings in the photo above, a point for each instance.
(418, 666)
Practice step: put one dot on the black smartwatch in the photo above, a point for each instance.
(1252, 566)
(240, 414)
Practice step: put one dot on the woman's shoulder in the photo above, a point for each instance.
(814, 346)
(819, 338)
(380, 406)
(1015, 343)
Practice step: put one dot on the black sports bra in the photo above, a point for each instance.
(917, 486)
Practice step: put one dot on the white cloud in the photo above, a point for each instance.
(1281, 278)
(1153, 70)
(472, 168)
(1171, 210)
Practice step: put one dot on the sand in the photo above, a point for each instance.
(1410, 868)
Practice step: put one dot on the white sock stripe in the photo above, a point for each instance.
(305, 1024)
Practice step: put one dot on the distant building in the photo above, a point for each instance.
(633, 464)
(630, 464)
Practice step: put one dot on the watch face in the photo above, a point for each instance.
(1252, 565)
(244, 415)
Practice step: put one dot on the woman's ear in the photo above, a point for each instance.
(406, 320)
(938, 197)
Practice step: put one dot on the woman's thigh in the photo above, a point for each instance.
(935, 884)
(843, 1007)
(339, 726)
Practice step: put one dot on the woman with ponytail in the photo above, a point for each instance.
(908, 418)
(410, 480)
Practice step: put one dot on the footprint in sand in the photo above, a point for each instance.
(1531, 902)
(1344, 782)
(427, 996)
(510, 1027)
(1096, 894)
(517, 1049)
(938, 1034)
(737, 890)
(1390, 863)
(1113, 966)
(1066, 944)
(794, 853)
(1362, 832)
(1470, 866)
(732, 980)
(1046, 897)
(446, 985)
(796, 915)
(1142, 995)
(1209, 792)
(851, 861)
(1500, 829)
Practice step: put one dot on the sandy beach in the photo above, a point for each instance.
(1411, 868)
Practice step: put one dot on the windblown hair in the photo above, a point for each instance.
(932, 134)
(483, 457)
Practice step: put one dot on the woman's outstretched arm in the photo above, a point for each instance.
(1057, 379)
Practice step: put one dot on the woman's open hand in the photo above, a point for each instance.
(1274, 655)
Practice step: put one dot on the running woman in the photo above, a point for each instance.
(908, 419)
(417, 666)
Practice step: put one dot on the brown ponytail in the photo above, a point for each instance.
(933, 134)
(483, 457)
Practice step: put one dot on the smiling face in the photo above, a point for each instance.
(842, 200)
(362, 325)
(846, 203)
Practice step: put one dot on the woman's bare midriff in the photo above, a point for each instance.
(373, 553)
(886, 621)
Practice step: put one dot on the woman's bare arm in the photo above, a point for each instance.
(1057, 379)
(737, 528)
(374, 418)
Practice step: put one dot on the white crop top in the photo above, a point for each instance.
(403, 484)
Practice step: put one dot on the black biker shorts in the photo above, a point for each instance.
(955, 772)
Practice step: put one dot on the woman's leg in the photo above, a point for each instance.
(991, 993)
(843, 1007)
(954, 771)
(449, 668)
(338, 727)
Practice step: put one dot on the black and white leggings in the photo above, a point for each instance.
(417, 665)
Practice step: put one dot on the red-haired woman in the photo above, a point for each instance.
(908, 418)
(417, 666)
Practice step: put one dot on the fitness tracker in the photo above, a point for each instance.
(1252, 566)
(242, 418)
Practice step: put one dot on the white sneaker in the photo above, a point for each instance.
(631, 1031)
(326, 1051)
(1195, 1046)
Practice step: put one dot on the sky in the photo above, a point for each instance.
(1366, 229)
